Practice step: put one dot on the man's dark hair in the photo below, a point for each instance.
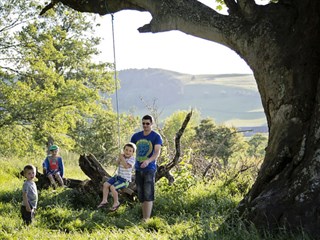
(148, 117)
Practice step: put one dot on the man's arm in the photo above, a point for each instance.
(155, 155)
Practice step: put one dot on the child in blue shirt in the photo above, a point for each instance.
(53, 167)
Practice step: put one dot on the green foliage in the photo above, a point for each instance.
(173, 123)
(220, 4)
(217, 141)
(257, 145)
(198, 212)
(99, 135)
(50, 86)
(17, 140)
(211, 150)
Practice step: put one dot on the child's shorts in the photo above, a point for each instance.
(118, 182)
(52, 172)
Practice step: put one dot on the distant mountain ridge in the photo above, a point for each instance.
(232, 99)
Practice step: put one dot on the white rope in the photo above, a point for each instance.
(115, 80)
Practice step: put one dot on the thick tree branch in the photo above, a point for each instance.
(232, 6)
(92, 168)
(177, 140)
(248, 9)
(188, 16)
(101, 7)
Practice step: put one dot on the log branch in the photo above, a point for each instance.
(92, 168)
(164, 171)
(44, 183)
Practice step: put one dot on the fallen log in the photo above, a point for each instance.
(92, 168)
(95, 171)
(44, 183)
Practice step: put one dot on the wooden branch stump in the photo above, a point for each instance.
(95, 171)
(92, 168)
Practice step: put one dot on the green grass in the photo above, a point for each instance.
(189, 209)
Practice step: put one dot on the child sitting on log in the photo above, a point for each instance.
(53, 167)
(125, 161)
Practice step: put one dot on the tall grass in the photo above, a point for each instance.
(190, 209)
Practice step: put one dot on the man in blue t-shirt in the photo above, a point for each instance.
(148, 144)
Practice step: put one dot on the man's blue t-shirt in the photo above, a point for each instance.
(145, 148)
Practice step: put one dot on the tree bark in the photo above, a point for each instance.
(280, 42)
(164, 170)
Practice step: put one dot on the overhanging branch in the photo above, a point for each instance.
(188, 16)
(248, 8)
(101, 7)
(232, 6)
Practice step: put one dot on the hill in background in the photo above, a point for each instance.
(232, 99)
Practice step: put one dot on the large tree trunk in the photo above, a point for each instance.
(286, 67)
(280, 42)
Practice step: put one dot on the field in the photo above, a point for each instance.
(190, 209)
(231, 99)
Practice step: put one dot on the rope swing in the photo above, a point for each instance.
(115, 79)
(115, 73)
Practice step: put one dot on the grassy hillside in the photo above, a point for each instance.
(231, 99)
(189, 209)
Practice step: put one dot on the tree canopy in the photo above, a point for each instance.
(50, 84)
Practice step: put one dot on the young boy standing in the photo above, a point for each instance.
(29, 194)
(126, 161)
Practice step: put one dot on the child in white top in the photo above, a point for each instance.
(126, 161)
